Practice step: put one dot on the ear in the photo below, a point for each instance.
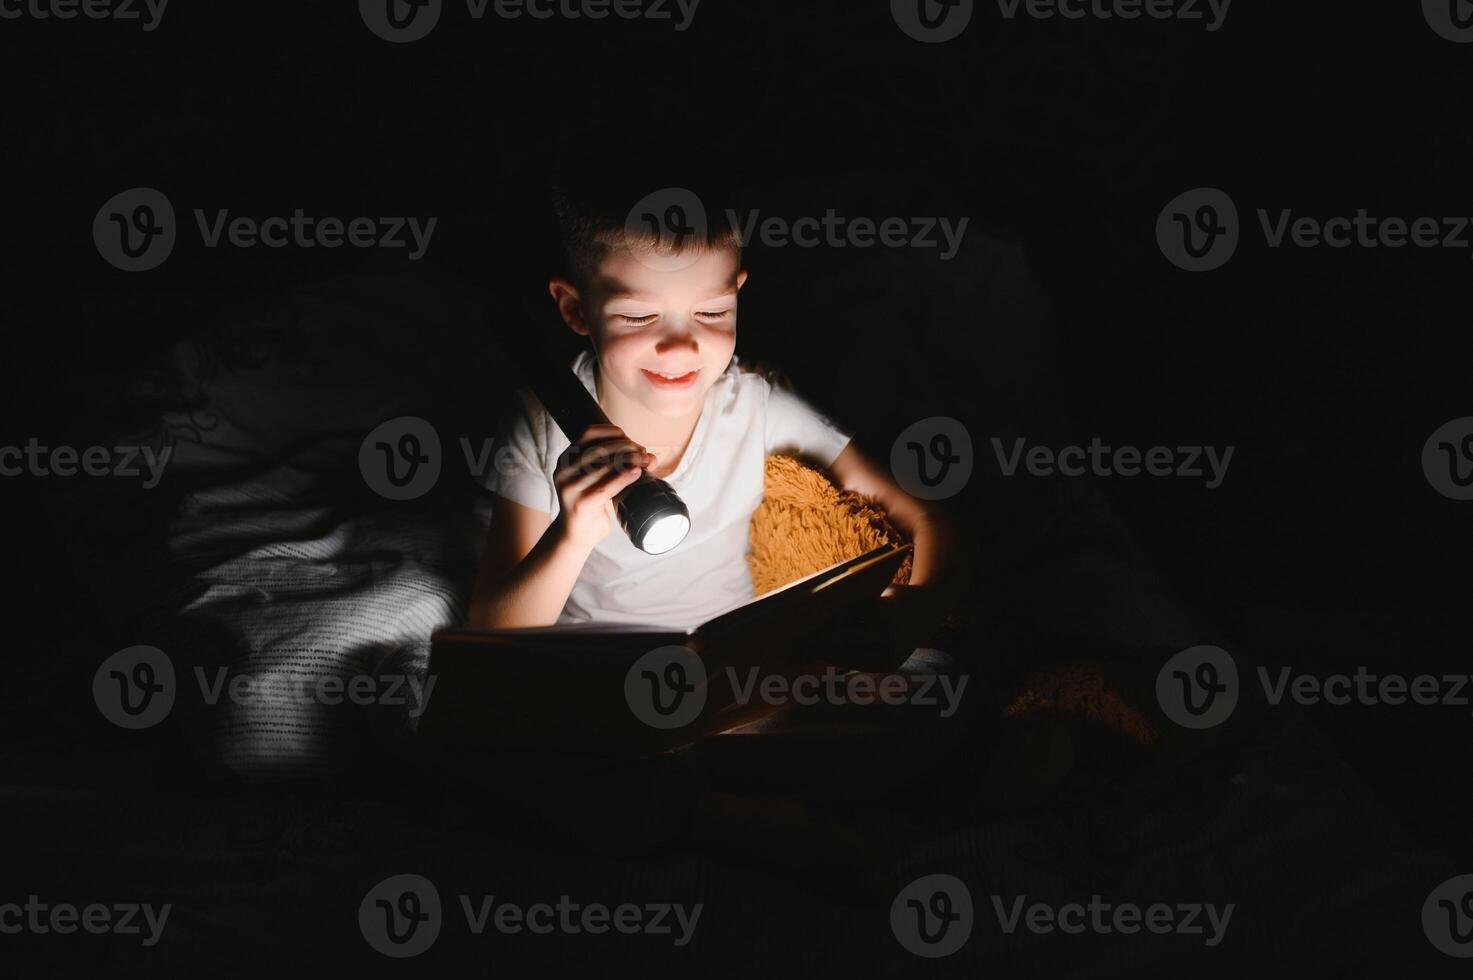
(569, 304)
(741, 279)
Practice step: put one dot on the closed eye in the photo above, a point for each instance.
(637, 321)
(712, 314)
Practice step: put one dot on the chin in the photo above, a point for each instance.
(674, 405)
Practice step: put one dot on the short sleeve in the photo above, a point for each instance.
(517, 469)
(794, 426)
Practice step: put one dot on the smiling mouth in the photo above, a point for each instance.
(660, 380)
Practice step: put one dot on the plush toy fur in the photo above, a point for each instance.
(805, 523)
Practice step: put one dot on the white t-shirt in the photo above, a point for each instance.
(719, 477)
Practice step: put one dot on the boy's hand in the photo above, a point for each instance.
(881, 633)
(589, 475)
(912, 613)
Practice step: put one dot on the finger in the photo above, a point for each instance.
(599, 430)
(596, 453)
(578, 479)
(575, 471)
(610, 485)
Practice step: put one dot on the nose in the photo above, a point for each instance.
(677, 336)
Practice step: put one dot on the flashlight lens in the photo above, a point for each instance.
(665, 533)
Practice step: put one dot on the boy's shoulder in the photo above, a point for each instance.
(769, 373)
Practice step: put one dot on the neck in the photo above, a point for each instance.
(665, 436)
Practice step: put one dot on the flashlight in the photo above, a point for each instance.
(650, 512)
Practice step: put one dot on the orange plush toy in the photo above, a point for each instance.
(805, 523)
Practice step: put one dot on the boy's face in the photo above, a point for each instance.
(662, 335)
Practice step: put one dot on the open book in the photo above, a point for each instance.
(570, 685)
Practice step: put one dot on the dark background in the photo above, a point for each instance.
(1327, 368)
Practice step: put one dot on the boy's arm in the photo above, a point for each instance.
(532, 561)
(527, 570)
(929, 527)
(934, 577)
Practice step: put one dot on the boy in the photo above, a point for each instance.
(661, 317)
